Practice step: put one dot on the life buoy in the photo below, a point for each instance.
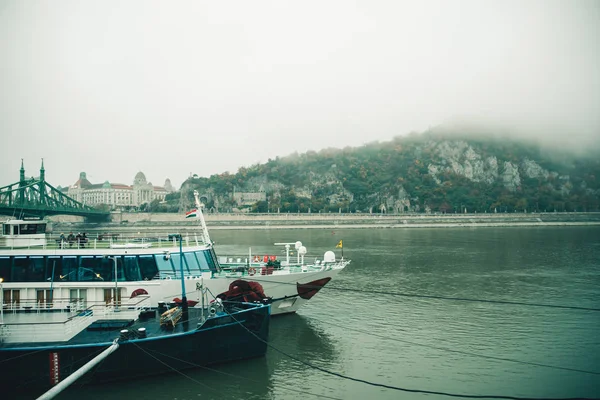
(251, 271)
(256, 259)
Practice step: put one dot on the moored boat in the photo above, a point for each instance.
(41, 349)
(96, 271)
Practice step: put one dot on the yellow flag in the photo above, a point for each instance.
(339, 245)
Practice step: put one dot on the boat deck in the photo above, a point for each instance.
(101, 331)
(107, 330)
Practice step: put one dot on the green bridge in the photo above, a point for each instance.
(37, 198)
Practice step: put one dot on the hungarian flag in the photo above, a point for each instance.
(192, 214)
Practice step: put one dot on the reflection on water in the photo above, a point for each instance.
(246, 379)
(294, 335)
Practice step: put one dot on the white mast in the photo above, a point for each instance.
(202, 222)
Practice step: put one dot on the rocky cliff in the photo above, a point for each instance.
(418, 173)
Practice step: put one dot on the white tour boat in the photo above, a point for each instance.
(61, 274)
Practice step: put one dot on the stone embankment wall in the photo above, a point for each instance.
(162, 222)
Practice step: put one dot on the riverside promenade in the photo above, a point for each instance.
(168, 222)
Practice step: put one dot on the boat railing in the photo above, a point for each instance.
(30, 327)
(35, 305)
(49, 327)
(125, 309)
(77, 323)
(66, 305)
(110, 241)
(242, 266)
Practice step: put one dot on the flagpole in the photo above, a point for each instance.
(201, 215)
(341, 246)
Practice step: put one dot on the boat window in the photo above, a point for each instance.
(192, 263)
(37, 269)
(215, 261)
(43, 298)
(148, 267)
(201, 256)
(6, 229)
(107, 268)
(24, 269)
(78, 298)
(20, 269)
(89, 270)
(32, 229)
(132, 269)
(176, 260)
(206, 260)
(165, 268)
(12, 296)
(69, 269)
(120, 269)
(5, 265)
(54, 268)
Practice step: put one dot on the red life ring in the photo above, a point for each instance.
(251, 271)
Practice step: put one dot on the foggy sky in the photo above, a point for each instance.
(179, 87)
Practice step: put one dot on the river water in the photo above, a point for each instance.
(358, 328)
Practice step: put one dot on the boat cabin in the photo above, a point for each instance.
(86, 268)
(23, 233)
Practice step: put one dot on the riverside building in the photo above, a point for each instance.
(117, 195)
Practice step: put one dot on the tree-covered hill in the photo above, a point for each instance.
(435, 171)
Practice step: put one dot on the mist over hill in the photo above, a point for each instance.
(446, 170)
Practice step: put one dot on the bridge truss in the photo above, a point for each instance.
(37, 198)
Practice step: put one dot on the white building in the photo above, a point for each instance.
(117, 195)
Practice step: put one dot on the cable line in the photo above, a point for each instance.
(246, 378)
(425, 296)
(402, 389)
(21, 355)
(179, 372)
(457, 351)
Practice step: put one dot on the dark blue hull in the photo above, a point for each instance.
(219, 340)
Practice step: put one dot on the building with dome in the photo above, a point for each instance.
(117, 195)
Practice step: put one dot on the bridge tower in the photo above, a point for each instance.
(43, 199)
(22, 183)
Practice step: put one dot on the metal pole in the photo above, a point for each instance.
(52, 281)
(116, 285)
(2, 299)
(181, 268)
(50, 394)
(184, 304)
(205, 234)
